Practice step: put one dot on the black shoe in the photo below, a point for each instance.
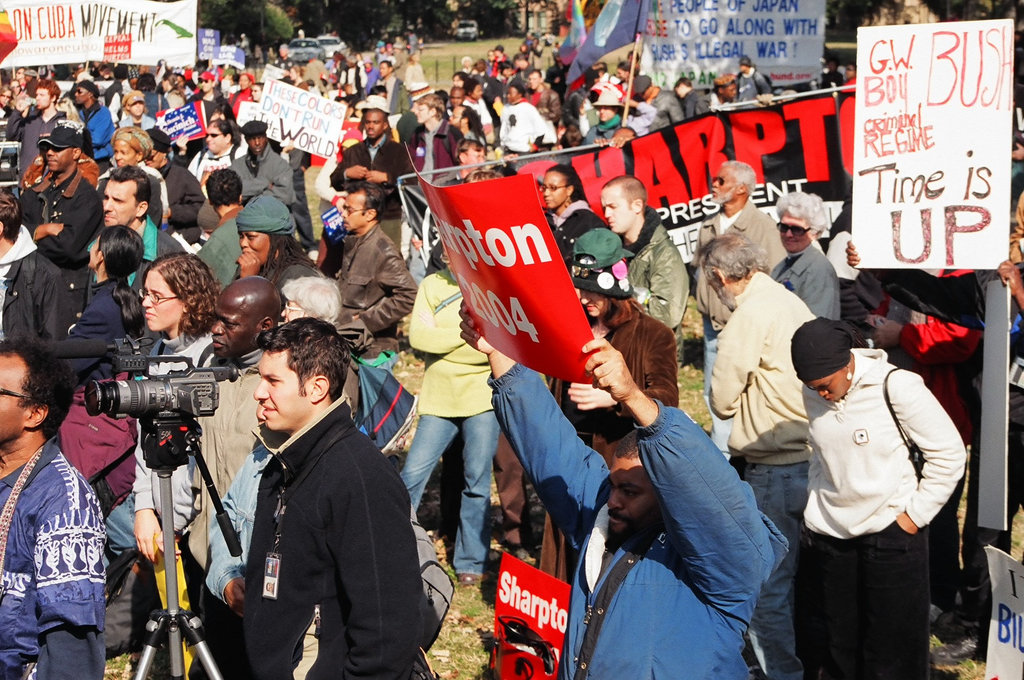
(955, 652)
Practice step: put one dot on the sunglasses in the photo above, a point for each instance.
(796, 231)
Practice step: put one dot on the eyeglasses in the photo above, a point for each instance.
(552, 187)
(155, 297)
(4, 392)
(796, 231)
(351, 211)
(210, 135)
(718, 180)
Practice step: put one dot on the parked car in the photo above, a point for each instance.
(467, 29)
(332, 44)
(305, 49)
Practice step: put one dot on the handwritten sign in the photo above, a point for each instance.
(208, 42)
(539, 600)
(702, 39)
(1005, 657)
(117, 48)
(73, 31)
(931, 181)
(511, 274)
(294, 116)
(186, 121)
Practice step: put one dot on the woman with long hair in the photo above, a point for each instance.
(178, 297)
(115, 310)
(568, 212)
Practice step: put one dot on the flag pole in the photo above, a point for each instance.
(637, 46)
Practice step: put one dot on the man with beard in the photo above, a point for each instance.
(656, 272)
(263, 172)
(755, 382)
(667, 534)
(731, 189)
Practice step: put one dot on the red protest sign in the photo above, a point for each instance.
(529, 605)
(511, 273)
(117, 47)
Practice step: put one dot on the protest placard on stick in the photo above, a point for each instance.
(511, 273)
(301, 118)
(931, 181)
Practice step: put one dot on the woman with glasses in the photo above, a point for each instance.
(805, 270)
(222, 148)
(178, 299)
(600, 274)
(569, 215)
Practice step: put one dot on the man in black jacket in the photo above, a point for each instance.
(332, 582)
(63, 213)
(184, 195)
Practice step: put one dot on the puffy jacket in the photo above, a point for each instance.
(659, 268)
(681, 611)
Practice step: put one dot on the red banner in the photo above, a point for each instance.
(536, 599)
(511, 273)
(117, 48)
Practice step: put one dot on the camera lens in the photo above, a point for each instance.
(101, 397)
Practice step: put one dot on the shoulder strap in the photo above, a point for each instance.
(447, 301)
(7, 514)
(907, 441)
(595, 615)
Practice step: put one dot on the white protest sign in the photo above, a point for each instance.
(271, 72)
(70, 31)
(297, 117)
(931, 181)
(1005, 657)
(702, 39)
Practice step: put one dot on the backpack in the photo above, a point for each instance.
(386, 409)
(131, 594)
(438, 587)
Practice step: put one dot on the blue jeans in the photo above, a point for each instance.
(480, 434)
(720, 429)
(781, 494)
(120, 525)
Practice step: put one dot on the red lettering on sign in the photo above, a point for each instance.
(756, 134)
(703, 144)
(653, 165)
(810, 115)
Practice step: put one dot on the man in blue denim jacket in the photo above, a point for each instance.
(685, 601)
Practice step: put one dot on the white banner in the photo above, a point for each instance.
(702, 39)
(73, 31)
(294, 116)
(1006, 630)
(931, 181)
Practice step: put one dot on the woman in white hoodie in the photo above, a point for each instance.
(868, 508)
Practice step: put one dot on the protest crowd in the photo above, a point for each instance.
(812, 533)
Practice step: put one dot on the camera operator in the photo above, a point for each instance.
(178, 297)
(244, 309)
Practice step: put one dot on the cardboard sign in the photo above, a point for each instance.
(931, 181)
(702, 39)
(187, 121)
(208, 42)
(1006, 629)
(73, 31)
(511, 273)
(117, 48)
(271, 72)
(294, 116)
(526, 593)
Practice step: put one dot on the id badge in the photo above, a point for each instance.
(271, 575)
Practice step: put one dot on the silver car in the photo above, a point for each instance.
(467, 30)
(305, 49)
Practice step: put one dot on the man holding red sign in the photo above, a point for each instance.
(673, 550)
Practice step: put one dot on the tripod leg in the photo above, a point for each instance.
(156, 628)
(192, 628)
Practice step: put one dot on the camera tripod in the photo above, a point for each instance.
(168, 441)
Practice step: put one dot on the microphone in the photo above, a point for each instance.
(82, 348)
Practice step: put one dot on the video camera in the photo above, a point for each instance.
(182, 389)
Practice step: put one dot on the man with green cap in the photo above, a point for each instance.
(269, 248)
